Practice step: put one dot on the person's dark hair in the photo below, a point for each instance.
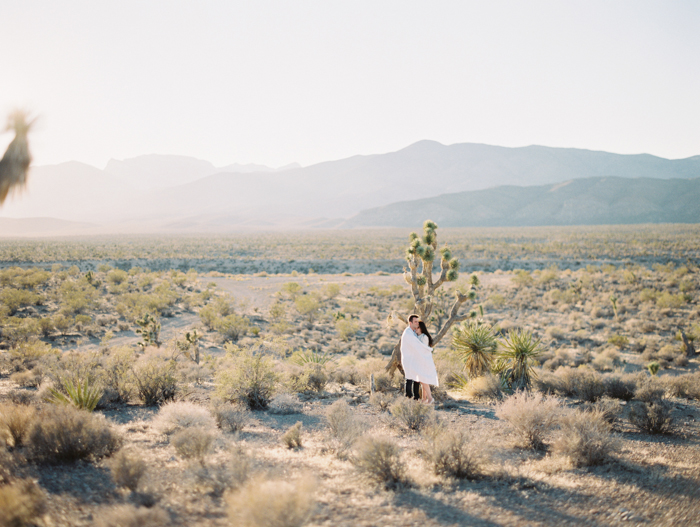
(410, 319)
(424, 330)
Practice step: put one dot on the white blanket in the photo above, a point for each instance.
(417, 359)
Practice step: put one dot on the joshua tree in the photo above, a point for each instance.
(149, 331)
(420, 256)
(15, 163)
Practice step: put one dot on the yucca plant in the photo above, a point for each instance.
(81, 395)
(516, 360)
(302, 357)
(476, 343)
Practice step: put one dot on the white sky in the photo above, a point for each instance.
(309, 81)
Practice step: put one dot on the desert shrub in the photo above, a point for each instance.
(77, 297)
(347, 328)
(232, 327)
(127, 470)
(192, 443)
(29, 351)
(310, 377)
(344, 425)
(381, 400)
(532, 416)
(667, 300)
(130, 516)
(285, 404)
(175, 416)
(231, 474)
(652, 417)
(250, 380)
(649, 389)
(485, 387)
(581, 382)
(412, 414)
(116, 373)
(607, 360)
(307, 306)
(15, 299)
(619, 387)
(686, 386)
(585, 438)
(292, 437)
(16, 420)
(272, 503)
(609, 409)
(383, 382)
(18, 330)
(117, 276)
(620, 341)
(230, 418)
(28, 378)
(64, 434)
(456, 454)
(476, 344)
(304, 357)
(522, 278)
(380, 459)
(21, 502)
(517, 358)
(155, 379)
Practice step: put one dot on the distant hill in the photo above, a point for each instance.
(588, 201)
(176, 191)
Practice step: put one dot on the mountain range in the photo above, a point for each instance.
(178, 193)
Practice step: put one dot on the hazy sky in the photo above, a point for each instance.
(309, 81)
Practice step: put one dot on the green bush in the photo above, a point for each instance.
(250, 380)
(155, 379)
(15, 299)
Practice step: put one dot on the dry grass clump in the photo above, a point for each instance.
(344, 425)
(218, 478)
(63, 434)
(485, 387)
(531, 415)
(285, 404)
(412, 414)
(585, 438)
(582, 383)
(619, 387)
(686, 386)
(292, 437)
(609, 408)
(130, 516)
(272, 503)
(192, 443)
(649, 389)
(15, 421)
(230, 418)
(175, 416)
(127, 470)
(155, 379)
(652, 417)
(456, 454)
(380, 459)
(381, 400)
(20, 503)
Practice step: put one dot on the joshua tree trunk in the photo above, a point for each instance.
(423, 287)
(689, 346)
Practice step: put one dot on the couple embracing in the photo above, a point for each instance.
(417, 360)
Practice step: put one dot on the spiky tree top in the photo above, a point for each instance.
(15, 163)
(420, 256)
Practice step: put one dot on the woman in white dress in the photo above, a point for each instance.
(428, 373)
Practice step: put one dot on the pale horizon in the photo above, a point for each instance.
(272, 83)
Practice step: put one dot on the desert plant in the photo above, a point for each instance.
(302, 357)
(581, 382)
(380, 459)
(63, 434)
(80, 394)
(485, 387)
(231, 474)
(292, 437)
(412, 414)
(517, 358)
(272, 503)
(609, 409)
(127, 470)
(307, 306)
(230, 418)
(149, 329)
(532, 416)
(619, 388)
(476, 343)
(649, 389)
(347, 328)
(193, 443)
(250, 380)
(21, 502)
(652, 417)
(285, 404)
(16, 421)
(585, 438)
(653, 367)
(381, 400)
(155, 379)
(178, 415)
(422, 252)
(456, 454)
(117, 376)
(130, 516)
(344, 425)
